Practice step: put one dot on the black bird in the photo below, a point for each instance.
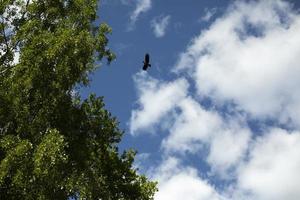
(146, 62)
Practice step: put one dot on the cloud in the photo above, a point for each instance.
(156, 99)
(227, 149)
(142, 6)
(192, 127)
(196, 129)
(189, 125)
(177, 183)
(273, 169)
(160, 24)
(269, 172)
(250, 56)
(246, 59)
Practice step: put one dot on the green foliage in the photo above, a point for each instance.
(53, 145)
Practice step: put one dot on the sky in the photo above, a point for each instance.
(216, 117)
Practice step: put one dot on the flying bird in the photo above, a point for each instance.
(146, 62)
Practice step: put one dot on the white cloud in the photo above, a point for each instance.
(177, 183)
(186, 185)
(142, 6)
(273, 169)
(160, 24)
(227, 150)
(156, 99)
(250, 57)
(196, 128)
(269, 172)
(192, 127)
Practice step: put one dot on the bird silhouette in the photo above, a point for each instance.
(146, 62)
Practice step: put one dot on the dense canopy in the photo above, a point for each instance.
(53, 144)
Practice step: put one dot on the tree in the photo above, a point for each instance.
(53, 144)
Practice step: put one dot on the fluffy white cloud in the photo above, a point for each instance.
(250, 56)
(156, 99)
(273, 168)
(186, 185)
(193, 126)
(177, 183)
(196, 128)
(269, 172)
(160, 24)
(227, 150)
(142, 6)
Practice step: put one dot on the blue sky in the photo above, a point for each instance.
(217, 114)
